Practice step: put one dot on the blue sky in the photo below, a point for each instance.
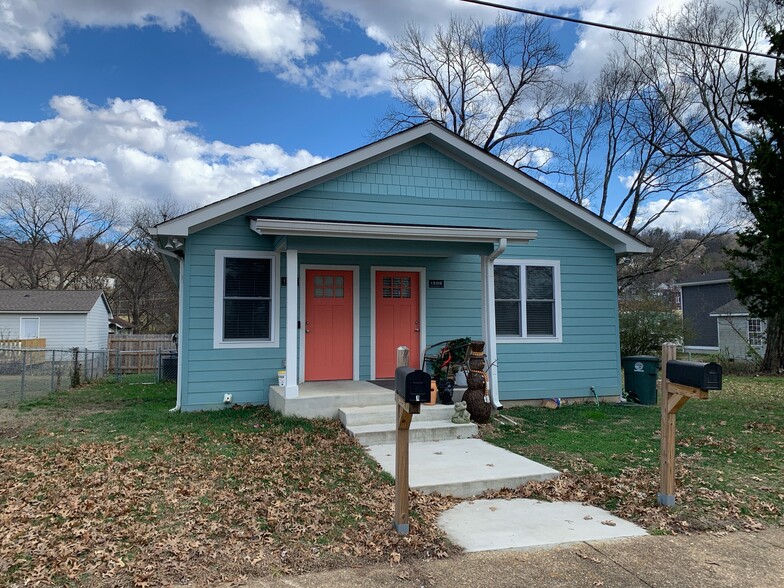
(201, 99)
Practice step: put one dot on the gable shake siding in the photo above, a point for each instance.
(416, 186)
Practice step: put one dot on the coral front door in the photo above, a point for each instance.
(397, 319)
(329, 325)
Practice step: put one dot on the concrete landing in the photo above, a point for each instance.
(462, 467)
(488, 525)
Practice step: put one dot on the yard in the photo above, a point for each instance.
(104, 487)
(730, 457)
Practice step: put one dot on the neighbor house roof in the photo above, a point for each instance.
(440, 139)
(721, 277)
(732, 308)
(51, 301)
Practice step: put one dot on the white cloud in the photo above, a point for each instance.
(282, 36)
(130, 149)
(696, 212)
(365, 75)
(268, 31)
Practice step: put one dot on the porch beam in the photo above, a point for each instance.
(302, 228)
(292, 310)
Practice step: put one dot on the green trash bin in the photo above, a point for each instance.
(639, 377)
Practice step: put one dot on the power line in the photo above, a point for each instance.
(631, 31)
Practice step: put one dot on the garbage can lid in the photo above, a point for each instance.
(642, 358)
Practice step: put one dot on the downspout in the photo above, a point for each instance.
(178, 404)
(490, 319)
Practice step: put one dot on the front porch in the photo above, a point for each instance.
(324, 399)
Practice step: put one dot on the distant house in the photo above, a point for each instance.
(740, 334)
(64, 318)
(703, 300)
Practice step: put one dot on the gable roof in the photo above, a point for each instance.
(732, 308)
(51, 301)
(721, 277)
(440, 139)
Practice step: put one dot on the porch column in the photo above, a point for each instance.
(488, 326)
(292, 308)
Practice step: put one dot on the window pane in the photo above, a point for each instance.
(539, 282)
(541, 318)
(246, 319)
(247, 277)
(507, 318)
(507, 282)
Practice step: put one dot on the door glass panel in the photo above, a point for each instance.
(338, 280)
(328, 280)
(338, 292)
(318, 292)
(318, 281)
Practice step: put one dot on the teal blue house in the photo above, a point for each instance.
(414, 239)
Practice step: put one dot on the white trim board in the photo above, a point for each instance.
(351, 230)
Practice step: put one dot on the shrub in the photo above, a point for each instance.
(647, 323)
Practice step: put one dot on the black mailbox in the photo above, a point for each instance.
(705, 376)
(412, 385)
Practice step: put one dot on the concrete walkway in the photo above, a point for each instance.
(739, 560)
(462, 467)
(488, 525)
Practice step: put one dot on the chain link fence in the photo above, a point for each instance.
(31, 373)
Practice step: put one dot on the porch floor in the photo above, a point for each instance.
(324, 399)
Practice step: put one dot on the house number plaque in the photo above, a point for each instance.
(435, 283)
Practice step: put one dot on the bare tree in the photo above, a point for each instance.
(57, 236)
(701, 89)
(495, 86)
(617, 128)
(143, 292)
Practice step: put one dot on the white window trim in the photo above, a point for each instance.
(761, 331)
(220, 262)
(523, 263)
(37, 328)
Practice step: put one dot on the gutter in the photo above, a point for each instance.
(178, 404)
(490, 298)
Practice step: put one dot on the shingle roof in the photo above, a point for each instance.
(48, 300)
(733, 307)
(722, 276)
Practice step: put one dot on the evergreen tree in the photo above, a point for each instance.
(757, 265)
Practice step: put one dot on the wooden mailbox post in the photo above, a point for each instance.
(673, 396)
(412, 388)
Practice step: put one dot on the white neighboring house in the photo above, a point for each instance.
(739, 332)
(65, 318)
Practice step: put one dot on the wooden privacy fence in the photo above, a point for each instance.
(138, 354)
(9, 349)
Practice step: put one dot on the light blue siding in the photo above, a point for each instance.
(417, 186)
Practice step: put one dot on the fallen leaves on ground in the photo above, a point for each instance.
(633, 494)
(201, 508)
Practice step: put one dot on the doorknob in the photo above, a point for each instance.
(416, 330)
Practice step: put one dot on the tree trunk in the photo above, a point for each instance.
(773, 362)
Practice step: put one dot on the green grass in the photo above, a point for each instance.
(731, 444)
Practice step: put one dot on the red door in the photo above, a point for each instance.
(397, 319)
(329, 325)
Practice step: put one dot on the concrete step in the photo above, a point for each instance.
(326, 401)
(353, 416)
(420, 431)
(462, 467)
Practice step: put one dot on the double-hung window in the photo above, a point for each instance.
(245, 299)
(528, 300)
(756, 332)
